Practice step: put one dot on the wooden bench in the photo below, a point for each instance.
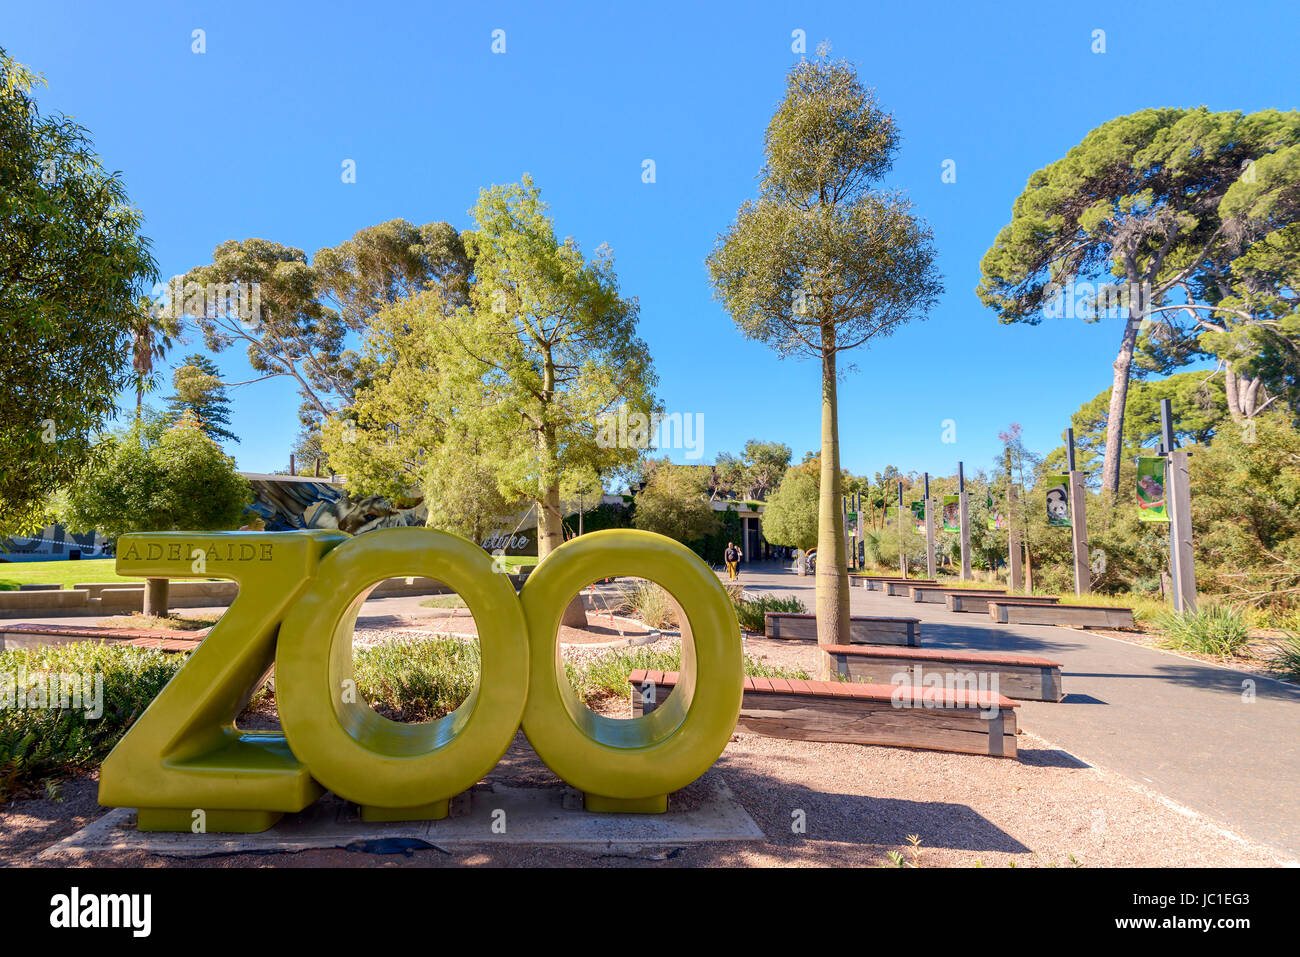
(968, 601)
(1087, 616)
(863, 629)
(1025, 677)
(27, 635)
(878, 583)
(902, 587)
(936, 594)
(851, 713)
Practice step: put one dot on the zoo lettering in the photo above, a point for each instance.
(186, 766)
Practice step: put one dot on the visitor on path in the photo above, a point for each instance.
(732, 557)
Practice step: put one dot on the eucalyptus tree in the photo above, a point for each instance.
(1138, 201)
(821, 263)
(1243, 303)
(294, 315)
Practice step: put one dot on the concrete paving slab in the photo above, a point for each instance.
(529, 815)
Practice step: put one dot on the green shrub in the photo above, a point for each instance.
(41, 744)
(757, 669)
(608, 674)
(649, 602)
(1287, 662)
(751, 611)
(1211, 630)
(417, 679)
(1280, 617)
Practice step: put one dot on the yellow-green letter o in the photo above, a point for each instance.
(619, 760)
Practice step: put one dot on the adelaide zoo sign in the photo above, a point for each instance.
(299, 594)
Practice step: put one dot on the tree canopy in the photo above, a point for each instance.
(293, 315)
(201, 394)
(154, 477)
(790, 513)
(72, 264)
(1139, 200)
(673, 503)
(509, 381)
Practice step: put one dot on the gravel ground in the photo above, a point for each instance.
(1044, 809)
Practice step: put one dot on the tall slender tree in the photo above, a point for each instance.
(821, 263)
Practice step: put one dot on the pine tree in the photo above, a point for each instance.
(201, 393)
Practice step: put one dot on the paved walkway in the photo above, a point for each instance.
(1181, 727)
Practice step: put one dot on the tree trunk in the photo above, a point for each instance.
(1118, 398)
(1230, 389)
(832, 576)
(1249, 401)
(550, 521)
(155, 597)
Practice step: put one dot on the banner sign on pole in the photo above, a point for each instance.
(918, 513)
(1151, 489)
(1058, 500)
(996, 519)
(951, 519)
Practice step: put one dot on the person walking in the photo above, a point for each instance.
(732, 557)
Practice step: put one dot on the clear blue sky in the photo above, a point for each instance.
(248, 139)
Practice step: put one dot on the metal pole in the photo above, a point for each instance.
(1166, 447)
(929, 531)
(1178, 503)
(902, 557)
(859, 550)
(1078, 521)
(963, 513)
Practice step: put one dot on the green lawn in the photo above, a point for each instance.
(65, 573)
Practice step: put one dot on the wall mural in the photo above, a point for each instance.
(286, 506)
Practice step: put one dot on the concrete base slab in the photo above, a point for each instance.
(498, 814)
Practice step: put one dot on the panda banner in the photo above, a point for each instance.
(1058, 500)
